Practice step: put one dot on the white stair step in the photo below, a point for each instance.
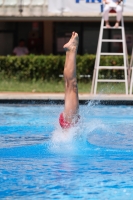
(112, 54)
(111, 40)
(111, 67)
(120, 27)
(111, 80)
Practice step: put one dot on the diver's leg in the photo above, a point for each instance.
(71, 90)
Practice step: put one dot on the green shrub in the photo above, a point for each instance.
(50, 67)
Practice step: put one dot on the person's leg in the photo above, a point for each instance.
(71, 90)
(119, 15)
(106, 15)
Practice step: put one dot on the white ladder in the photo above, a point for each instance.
(131, 70)
(97, 66)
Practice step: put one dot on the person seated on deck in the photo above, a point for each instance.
(112, 5)
(21, 49)
(70, 116)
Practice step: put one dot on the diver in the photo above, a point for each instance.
(70, 116)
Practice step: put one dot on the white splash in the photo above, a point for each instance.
(63, 141)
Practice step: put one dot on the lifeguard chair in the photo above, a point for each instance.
(97, 66)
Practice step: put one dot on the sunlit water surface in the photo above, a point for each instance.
(91, 161)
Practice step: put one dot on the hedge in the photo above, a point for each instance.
(42, 67)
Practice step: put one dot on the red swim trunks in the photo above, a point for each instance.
(64, 124)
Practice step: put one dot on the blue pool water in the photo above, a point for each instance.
(91, 161)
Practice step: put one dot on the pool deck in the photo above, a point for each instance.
(13, 97)
(60, 96)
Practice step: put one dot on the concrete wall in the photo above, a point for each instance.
(49, 9)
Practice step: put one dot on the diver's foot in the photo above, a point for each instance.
(73, 43)
(116, 25)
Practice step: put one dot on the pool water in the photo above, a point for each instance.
(91, 161)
